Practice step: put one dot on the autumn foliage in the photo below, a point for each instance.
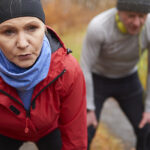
(66, 14)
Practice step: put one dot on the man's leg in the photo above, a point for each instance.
(133, 108)
(91, 130)
(99, 100)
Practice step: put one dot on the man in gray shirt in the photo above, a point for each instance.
(114, 42)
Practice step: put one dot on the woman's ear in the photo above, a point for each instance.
(46, 29)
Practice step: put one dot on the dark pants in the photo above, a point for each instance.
(51, 141)
(129, 94)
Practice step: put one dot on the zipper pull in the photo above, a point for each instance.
(26, 130)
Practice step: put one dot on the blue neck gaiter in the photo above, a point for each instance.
(24, 80)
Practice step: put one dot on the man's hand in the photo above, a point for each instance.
(91, 119)
(145, 119)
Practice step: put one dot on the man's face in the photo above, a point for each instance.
(133, 21)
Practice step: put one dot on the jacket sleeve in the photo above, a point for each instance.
(90, 53)
(73, 110)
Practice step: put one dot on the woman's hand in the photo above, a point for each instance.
(91, 119)
(145, 119)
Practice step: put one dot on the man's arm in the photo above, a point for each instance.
(146, 114)
(90, 53)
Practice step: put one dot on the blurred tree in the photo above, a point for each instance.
(91, 4)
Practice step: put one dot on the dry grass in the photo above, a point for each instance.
(104, 140)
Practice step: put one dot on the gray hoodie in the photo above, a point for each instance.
(110, 53)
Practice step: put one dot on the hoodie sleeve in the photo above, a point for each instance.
(147, 102)
(147, 40)
(90, 53)
(73, 108)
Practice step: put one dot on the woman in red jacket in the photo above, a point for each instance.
(42, 89)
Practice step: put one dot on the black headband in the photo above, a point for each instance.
(21, 8)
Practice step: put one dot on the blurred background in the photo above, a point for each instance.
(68, 14)
(69, 18)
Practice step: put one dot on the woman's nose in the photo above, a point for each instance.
(22, 41)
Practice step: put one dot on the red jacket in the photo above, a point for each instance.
(58, 101)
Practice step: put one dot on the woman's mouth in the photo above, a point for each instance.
(24, 56)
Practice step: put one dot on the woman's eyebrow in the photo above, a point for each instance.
(32, 22)
(3, 27)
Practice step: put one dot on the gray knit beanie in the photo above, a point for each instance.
(142, 6)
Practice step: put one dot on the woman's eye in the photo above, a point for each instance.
(9, 32)
(32, 28)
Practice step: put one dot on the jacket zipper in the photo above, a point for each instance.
(26, 130)
(33, 102)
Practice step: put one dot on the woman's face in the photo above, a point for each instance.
(21, 40)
